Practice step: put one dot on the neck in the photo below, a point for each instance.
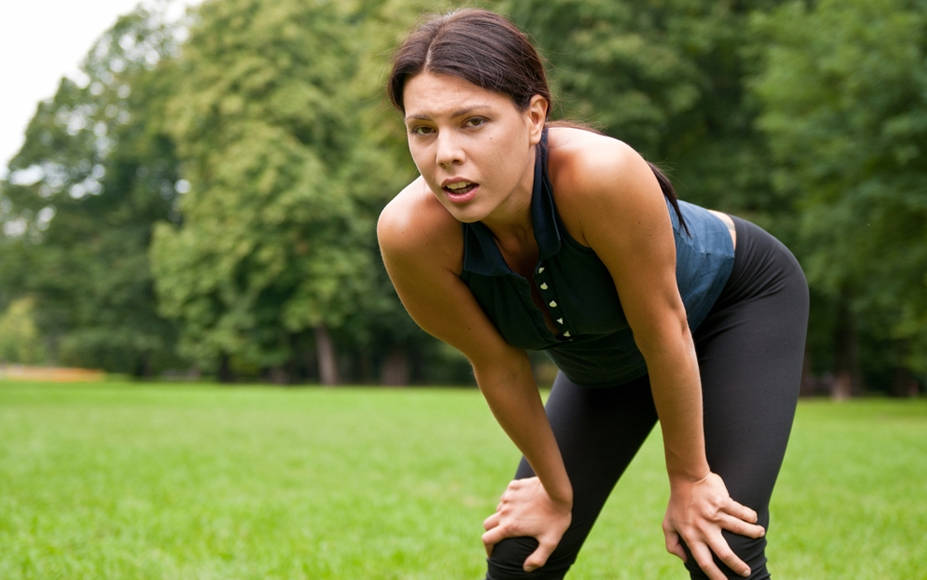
(511, 223)
(516, 242)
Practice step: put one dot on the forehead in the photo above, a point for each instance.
(432, 95)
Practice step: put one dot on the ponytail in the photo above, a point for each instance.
(670, 194)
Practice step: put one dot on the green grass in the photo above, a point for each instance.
(194, 481)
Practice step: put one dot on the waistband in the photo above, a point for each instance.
(762, 265)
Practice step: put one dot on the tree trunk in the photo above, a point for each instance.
(142, 368)
(903, 383)
(325, 350)
(808, 381)
(396, 369)
(846, 357)
(279, 375)
(226, 375)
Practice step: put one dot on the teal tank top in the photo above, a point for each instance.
(593, 344)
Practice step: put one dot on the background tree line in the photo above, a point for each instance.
(204, 197)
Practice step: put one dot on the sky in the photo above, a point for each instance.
(40, 42)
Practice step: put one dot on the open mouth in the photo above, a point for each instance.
(459, 188)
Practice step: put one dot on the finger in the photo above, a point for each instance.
(492, 521)
(724, 553)
(493, 537)
(674, 545)
(517, 484)
(739, 510)
(489, 542)
(539, 557)
(702, 556)
(738, 526)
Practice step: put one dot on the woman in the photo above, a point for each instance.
(523, 235)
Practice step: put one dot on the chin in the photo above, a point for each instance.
(466, 215)
(468, 220)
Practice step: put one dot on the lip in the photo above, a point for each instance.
(459, 198)
(453, 180)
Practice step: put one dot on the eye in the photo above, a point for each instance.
(421, 130)
(474, 122)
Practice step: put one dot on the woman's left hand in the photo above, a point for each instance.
(697, 512)
(526, 510)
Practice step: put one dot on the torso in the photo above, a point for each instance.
(556, 294)
(597, 333)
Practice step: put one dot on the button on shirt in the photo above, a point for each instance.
(591, 341)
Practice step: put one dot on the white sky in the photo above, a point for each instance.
(41, 41)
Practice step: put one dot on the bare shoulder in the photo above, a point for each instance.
(597, 177)
(583, 163)
(413, 225)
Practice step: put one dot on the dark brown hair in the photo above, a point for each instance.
(478, 46)
(488, 51)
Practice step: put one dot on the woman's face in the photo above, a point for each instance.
(473, 147)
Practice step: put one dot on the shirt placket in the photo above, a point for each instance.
(542, 279)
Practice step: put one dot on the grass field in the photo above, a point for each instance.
(114, 480)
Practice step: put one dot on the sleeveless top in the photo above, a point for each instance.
(593, 345)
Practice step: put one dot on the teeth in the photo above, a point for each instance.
(459, 185)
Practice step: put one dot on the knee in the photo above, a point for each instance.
(752, 551)
(509, 555)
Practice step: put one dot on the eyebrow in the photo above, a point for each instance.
(457, 113)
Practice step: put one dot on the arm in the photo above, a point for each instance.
(421, 248)
(611, 180)
(639, 251)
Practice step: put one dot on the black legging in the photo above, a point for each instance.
(750, 351)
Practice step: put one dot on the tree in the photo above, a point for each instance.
(19, 338)
(845, 112)
(669, 79)
(270, 255)
(383, 337)
(95, 171)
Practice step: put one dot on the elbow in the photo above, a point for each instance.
(502, 369)
(667, 337)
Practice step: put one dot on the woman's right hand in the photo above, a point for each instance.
(526, 510)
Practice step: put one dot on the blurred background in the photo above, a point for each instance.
(198, 200)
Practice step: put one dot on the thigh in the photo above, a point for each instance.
(598, 430)
(751, 352)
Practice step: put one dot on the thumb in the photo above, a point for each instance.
(539, 557)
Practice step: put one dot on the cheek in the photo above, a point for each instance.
(418, 156)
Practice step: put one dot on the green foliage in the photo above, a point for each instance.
(381, 166)
(19, 338)
(216, 196)
(668, 78)
(845, 112)
(195, 481)
(270, 244)
(291, 151)
(93, 174)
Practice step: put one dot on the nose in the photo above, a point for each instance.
(449, 151)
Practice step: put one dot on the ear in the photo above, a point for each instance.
(536, 117)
